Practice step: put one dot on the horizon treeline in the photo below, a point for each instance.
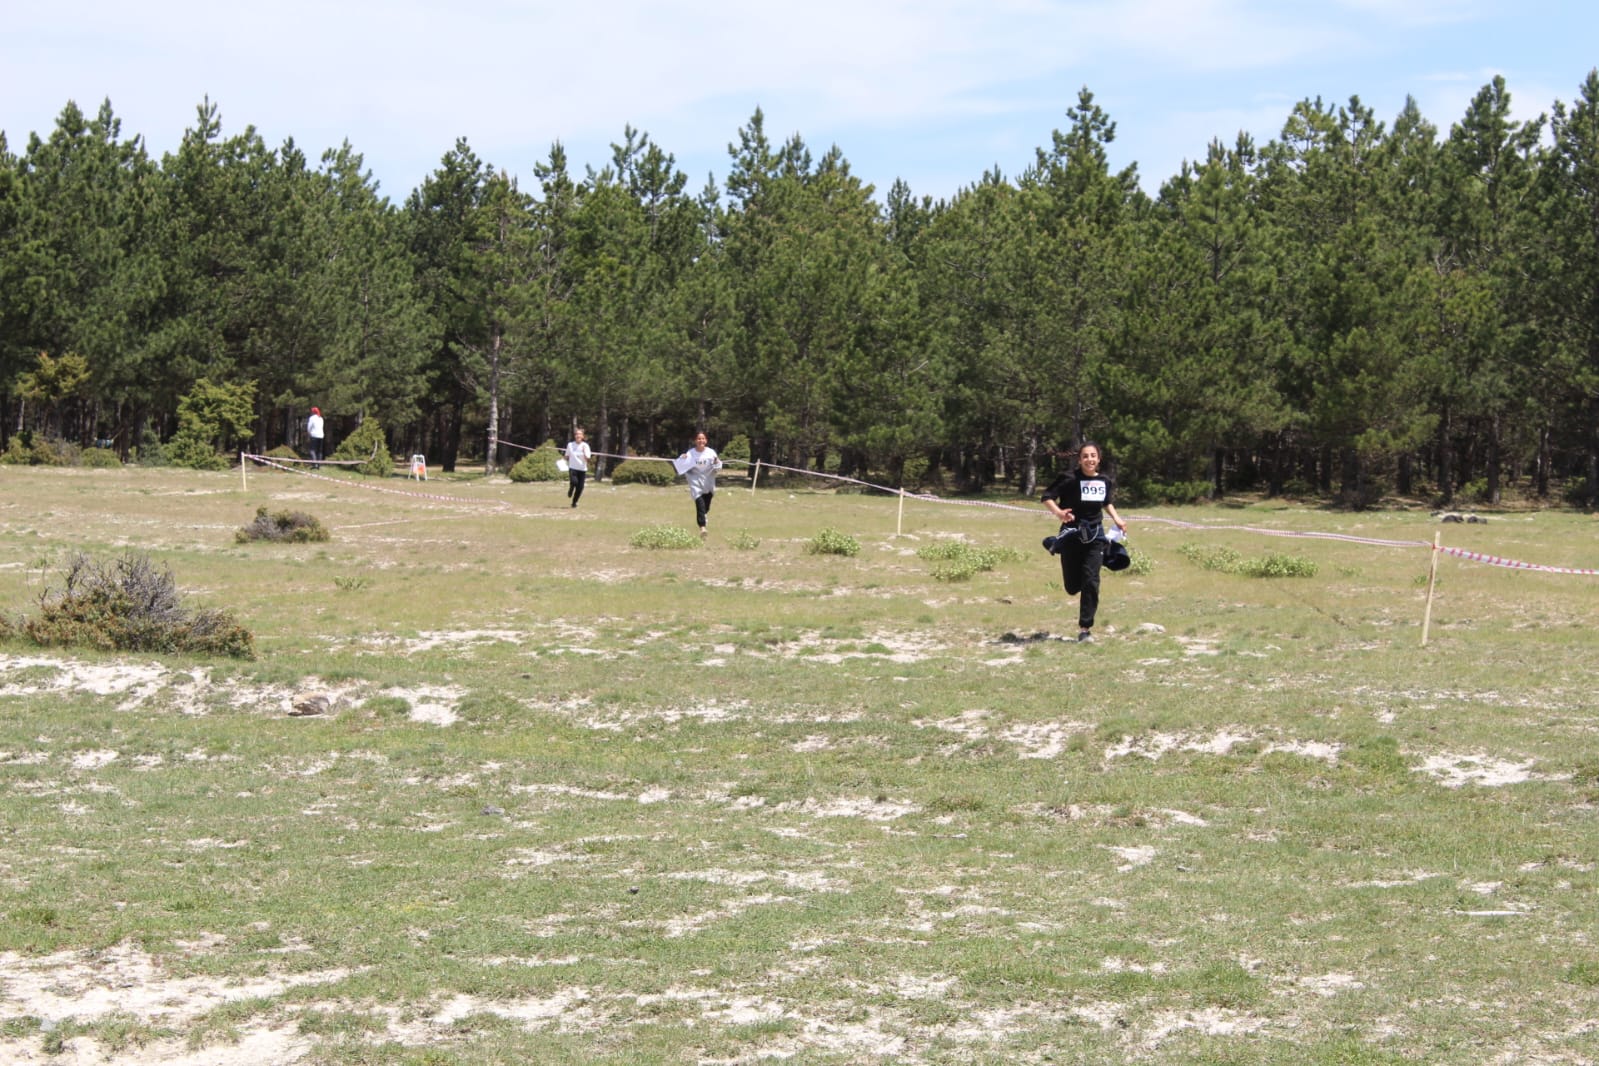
(1353, 309)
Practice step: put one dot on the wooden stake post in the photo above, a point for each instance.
(1432, 583)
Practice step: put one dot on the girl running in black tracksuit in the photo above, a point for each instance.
(1079, 499)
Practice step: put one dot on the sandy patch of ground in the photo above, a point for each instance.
(1044, 740)
(1329, 984)
(1154, 745)
(885, 645)
(1133, 857)
(136, 682)
(434, 704)
(710, 711)
(869, 809)
(1457, 771)
(126, 980)
(193, 691)
(1213, 1021)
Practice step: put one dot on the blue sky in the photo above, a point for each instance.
(931, 91)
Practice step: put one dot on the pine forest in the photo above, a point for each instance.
(1366, 306)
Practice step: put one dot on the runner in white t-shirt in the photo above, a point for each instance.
(577, 465)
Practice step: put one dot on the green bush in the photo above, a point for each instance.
(210, 419)
(282, 451)
(17, 452)
(1152, 493)
(959, 561)
(130, 605)
(151, 452)
(744, 542)
(1276, 565)
(99, 459)
(31, 449)
(292, 526)
(737, 449)
(1297, 488)
(643, 472)
(1224, 559)
(1230, 562)
(368, 446)
(832, 542)
(538, 465)
(656, 537)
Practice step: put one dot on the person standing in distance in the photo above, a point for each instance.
(313, 429)
(702, 479)
(1080, 499)
(577, 464)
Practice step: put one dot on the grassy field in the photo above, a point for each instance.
(575, 801)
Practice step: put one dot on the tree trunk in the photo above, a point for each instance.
(1545, 460)
(1593, 452)
(1446, 460)
(1030, 463)
(1494, 460)
(491, 453)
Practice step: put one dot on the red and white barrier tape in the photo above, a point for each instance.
(1459, 553)
(1512, 564)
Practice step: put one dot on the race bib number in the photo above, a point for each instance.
(1092, 491)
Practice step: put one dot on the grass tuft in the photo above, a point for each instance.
(664, 538)
(830, 541)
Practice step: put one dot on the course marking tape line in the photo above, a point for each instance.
(1374, 541)
(1512, 564)
(264, 461)
(312, 462)
(1377, 542)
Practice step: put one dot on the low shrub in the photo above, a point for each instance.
(99, 459)
(17, 452)
(282, 451)
(744, 542)
(643, 472)
(30, 449)
(368, 447)
(1224, 559)
(1229, 561)
(1276, 565)
(538, 465)
(284, 526)
(664, 537)
(959, 561)
(130, 604)
(1150, 493)
(830, 541)
(150, 450)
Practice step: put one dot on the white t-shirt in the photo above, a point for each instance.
(313, 427)
(702, 475)
(577, 455)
